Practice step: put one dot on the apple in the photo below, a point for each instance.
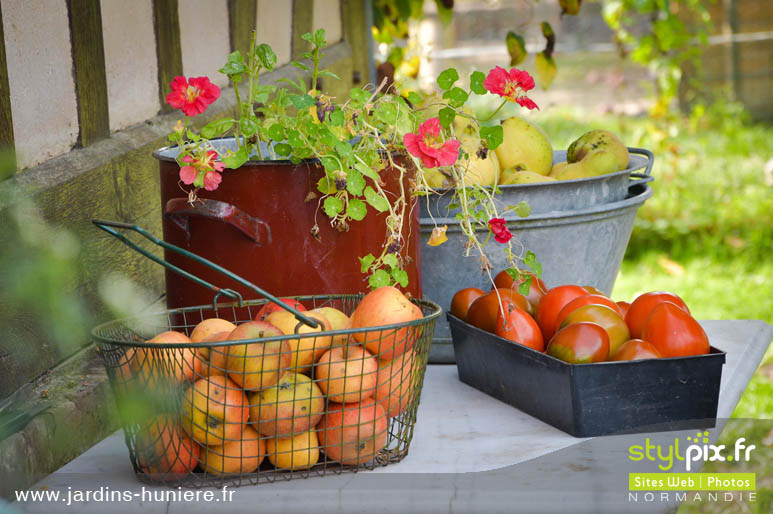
(353, 433)
(162, 447)
(385, 306)
(298, 452)
(214, 410)
(270, 307)
(152, 365)
(256, 366)
(338, 321)
(395, 384)
(217, 355)
(292, 406)
(207, 329)
(305, 350)
(240, 456)
(347, 374)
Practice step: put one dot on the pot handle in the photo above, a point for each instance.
(643, 177)
(179, 211)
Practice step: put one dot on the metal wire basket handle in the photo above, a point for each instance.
(111, 226)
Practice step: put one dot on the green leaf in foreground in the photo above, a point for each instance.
(356, 209)
(375, 200)
(446, 116)
(476, 82)
(379, 278)
(492, 135)
(236, 159)
(400, 276)
(522, 209)
(333, 206)
(366, 261)
(531, 261)
(447, 78)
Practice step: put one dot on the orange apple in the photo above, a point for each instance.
(162, 447)
(353, 433)
(385, 306)
(305, 350)
(161, 364)
(298, 452)
(217, 355)
(395, 384)
(207, 329)
(257, 365)
(214, 411)
(292, 406)
(347, 374)
(338, 321)
(242, 456)
(270, 307)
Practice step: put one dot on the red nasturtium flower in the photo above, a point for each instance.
(511, 85)
(428, 146)
(192, 96)
(499, 227)
(207, 165)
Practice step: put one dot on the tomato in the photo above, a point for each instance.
(462, 300)
(518, 326)
(552, 303)
(483, 312)
(636, 349)
(643, 305)
(588, 299)
(594, 290)
(270, 307)
(605, 317)
(537, 289)
(624, 306)
(674, 332)
(580, 343)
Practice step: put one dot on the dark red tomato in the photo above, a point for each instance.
(604, 316)
(580, 343)
(462, 300)
(674, 332)
(594, 290)
(552, 303)
(642, 306)
(636, 349)
(518, 326)
(580, 301)
(537, 289)
(624, 306)
(270, 307)
(483, 312)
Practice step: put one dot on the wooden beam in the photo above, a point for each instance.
(303, 21)
(6, 120)
(241, 18)
(168, 47)
(357, 34)
(88, 55)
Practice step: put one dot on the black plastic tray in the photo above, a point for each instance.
(588, 400)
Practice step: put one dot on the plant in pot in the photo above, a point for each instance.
(370, 155)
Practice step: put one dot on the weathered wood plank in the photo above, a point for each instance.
(303, 20)
(357, 34)
(88, 55)
(168, 47)
(241, 17)
(6, 120)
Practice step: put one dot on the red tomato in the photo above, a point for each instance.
(518, 326)
(552, 303)
(594, 290)
(643, 305)
(483, 312)
(624, 306)
(270, 307)
(580, 343)
(588, 299)
(537, 289)
(674, 332)
(604, 316)
(635, 349)
(462, 300)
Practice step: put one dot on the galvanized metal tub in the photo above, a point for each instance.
(564, 195)
(582, 246)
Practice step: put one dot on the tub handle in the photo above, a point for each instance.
(643, 177)
(179, 211)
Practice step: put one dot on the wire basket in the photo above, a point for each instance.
(216, 395)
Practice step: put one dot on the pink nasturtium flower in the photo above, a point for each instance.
(206, 167)
(511, 85)
(499, 227)
(192, 96)
(428, 146)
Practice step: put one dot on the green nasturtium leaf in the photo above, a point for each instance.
(456, 96)
(283, 149)
(236, 159)
(276, 132)
(525, 287)
(266, 56)
(366, 261)
(379, 278)
(545, 69)
(530, 260)
(447, 78)
(355, 183)
(356, 209)
(391, 260)
(400, 276)
(367, 171)
(301, 101)
(359, 94)
(492, 135)
(522, 209)
(217, 127)
(446, 116)
(333, 206)
(235, 66)
(476, 82)
(516, 47)
(414, 98)
(375, 200)
(325, 185)
(329, 163)
(387, 112)
(338, 118)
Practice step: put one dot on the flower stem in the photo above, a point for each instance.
(495, 112)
